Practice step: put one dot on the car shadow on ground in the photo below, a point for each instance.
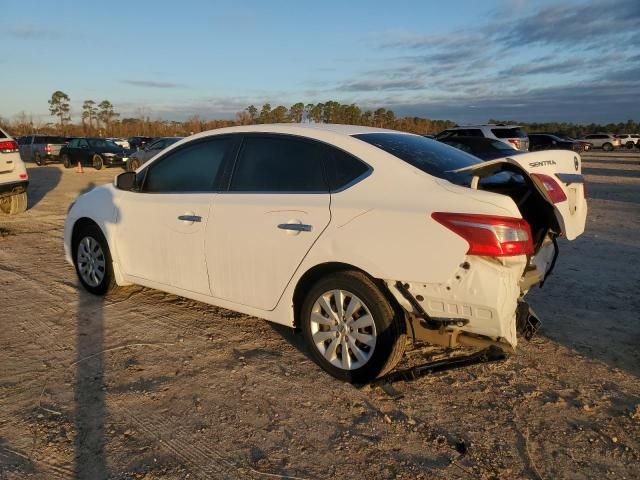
(42, 180)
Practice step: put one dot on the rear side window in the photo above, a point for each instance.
(343, 169)
(430, 156)
(509, 132)
(193, 168)
(273, 164)
(53, 140)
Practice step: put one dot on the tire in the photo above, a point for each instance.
(133, 164)
(607, 147)
(38, 159)
(98, 163)
(630, 145)
(92, 260)
(14, 204)
(66, 161)
(381, 337)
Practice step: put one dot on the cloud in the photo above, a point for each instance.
(381, 85)
(34, 32)
(535, 68)
(153, 84)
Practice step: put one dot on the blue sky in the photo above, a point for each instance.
(467, 61)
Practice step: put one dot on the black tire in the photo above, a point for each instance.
(66, 160)
(607, 147)
(630, 145)
(133, 164)
(38, 159)
(98, 163)
(389, 327)
(14, 204)
(92, 231)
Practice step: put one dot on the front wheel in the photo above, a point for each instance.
(92, 260)
(630, 145)
(98, 163)
(351, 329)
(14, 204)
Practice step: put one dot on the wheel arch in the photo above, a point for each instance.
(315, 273)
(77, 228)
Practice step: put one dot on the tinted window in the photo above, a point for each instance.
(272, 164)
(193, 168)
(51, 140)
(430, 156)
(509, 132)
(74, 143)
(342, 168)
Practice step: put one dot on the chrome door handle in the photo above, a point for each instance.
(190, 218)
(296, 227)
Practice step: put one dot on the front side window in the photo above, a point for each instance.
(193, 168)
(82, 143)
(75, 143)
(278, 164)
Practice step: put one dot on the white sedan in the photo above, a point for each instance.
(360, 237)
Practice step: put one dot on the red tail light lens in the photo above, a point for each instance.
(489, 235)
(8, 146)
(515, 142)
(47, 148)
(550, 186)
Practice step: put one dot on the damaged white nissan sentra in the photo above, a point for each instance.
(360, 237)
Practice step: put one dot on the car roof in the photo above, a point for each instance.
(499, 125)
(312, 130)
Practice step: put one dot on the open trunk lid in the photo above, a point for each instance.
(556, 175)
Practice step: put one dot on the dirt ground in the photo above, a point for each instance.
(143, 384)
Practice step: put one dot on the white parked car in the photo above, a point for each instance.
(512, 135)
(359, 236)
(14, 179)
(120, 142)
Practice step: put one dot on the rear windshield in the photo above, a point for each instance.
(2, 134)
(50, 139)
(101, 143)
(430, 156)
(516, 132)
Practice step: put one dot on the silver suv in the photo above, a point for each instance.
(605, 141)
(512, 135)
(13, 177)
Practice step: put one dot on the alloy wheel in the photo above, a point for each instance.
(91, 261)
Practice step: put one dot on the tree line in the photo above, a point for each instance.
(101, 119)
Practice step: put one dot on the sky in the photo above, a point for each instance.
(466, 61)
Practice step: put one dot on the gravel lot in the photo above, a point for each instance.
(143, 384)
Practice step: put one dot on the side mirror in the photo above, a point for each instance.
(126, 181)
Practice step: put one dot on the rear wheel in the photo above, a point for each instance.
(38, 159)
(92, 260)
(607, 147)
(14, 204)
(98, 163)
(66, 160)
(351, 329)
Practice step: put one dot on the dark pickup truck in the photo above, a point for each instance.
(40, 148)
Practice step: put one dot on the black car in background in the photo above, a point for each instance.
(483, 148)
(548, 141)
(96, 152)
(138, 142)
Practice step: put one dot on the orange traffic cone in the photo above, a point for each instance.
(79, 168)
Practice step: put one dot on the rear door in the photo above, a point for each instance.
(275, 209)
(557, 175)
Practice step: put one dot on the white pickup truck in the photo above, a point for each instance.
(40, 148)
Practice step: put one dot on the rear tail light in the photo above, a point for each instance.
(515, 142)
(489, 235)
(23, 176)
(550, 187)
(8, 146)
(47, 148)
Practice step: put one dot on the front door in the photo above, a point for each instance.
(162, 227)
(262, 228)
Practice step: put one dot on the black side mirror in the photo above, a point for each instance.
(126, 181)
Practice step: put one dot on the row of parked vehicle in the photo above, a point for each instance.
(514, 137)
(94, 151)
